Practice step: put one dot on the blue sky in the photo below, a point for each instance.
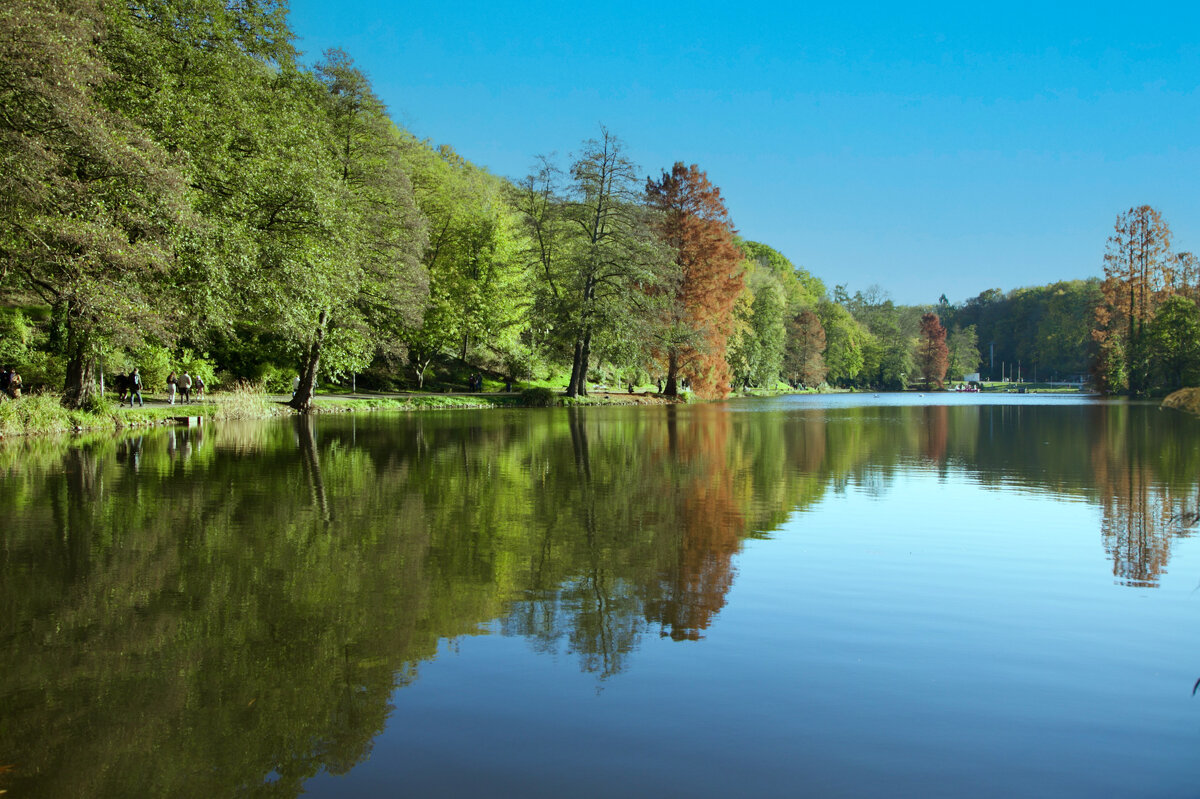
(926, 148)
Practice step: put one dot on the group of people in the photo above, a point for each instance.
(10, 383)
(184, 383)
(130, 387)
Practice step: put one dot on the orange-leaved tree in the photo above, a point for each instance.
(697, 313)
(933, 356)
(1138, 276)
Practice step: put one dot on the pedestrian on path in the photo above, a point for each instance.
(135, 389)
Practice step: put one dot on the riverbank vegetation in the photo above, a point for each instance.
(182, 191)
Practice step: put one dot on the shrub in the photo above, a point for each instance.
(538, 397)
(154, 364)
(198, 366)
(100, 406)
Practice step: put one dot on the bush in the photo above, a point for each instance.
(538, 397)
(100, 406)
(198, 366)
(278, 380)
(154, 364)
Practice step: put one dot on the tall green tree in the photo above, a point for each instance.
(478, 278)
(963, 347)
(91, 206)
(374, 283)
(845, 342)
(612, 255)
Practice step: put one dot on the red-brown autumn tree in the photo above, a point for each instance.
(933, 356)
(804, 358)
(697, 316)
(1139, 274)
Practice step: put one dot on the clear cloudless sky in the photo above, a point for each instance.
(926, 148)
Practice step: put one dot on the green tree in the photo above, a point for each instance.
(845, 342)
(609, 260)
(92, 206)
(377, 284)
(478, 278)
(770, 332)
(1173, 342)
(963, 346)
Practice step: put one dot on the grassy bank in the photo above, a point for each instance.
(44, 414)
(1185, 399)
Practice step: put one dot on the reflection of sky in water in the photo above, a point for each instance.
(945, 639)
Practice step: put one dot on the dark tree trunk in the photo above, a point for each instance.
(80, 385)
(672, 389)
(308, 374)
(578, 371)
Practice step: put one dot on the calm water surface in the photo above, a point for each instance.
(820, 596)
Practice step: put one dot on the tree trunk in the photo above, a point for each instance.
(672, 389)
(80, 385)
(576, 359)
(585, 356)
(308, 375)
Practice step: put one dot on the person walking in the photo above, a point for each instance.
(172, 380)
(185, 387)
(14, 385)
(135, 388)
(199, 385)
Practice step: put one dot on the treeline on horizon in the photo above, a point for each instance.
(180, 191)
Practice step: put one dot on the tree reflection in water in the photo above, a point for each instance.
(207, 613)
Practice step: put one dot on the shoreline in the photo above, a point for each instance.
(42, 415)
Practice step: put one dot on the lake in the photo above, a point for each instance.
(827, 596)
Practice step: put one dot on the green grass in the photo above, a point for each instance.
(43, 413)
(417, 402)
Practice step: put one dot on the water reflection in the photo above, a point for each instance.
(223, 611)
